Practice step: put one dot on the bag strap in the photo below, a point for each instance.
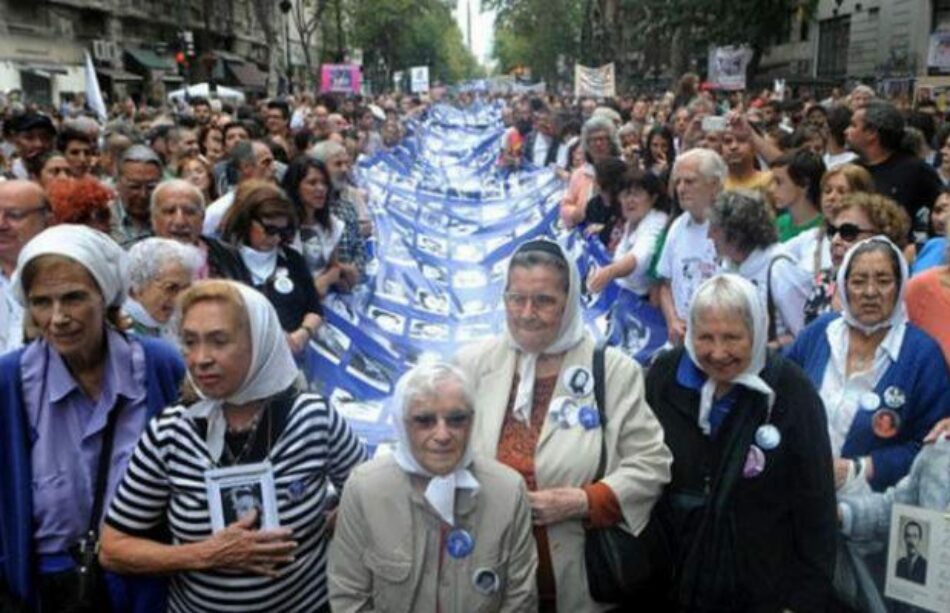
(770, 302)
(102, 471)
(599, 400)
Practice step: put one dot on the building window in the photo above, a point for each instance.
(833, 41)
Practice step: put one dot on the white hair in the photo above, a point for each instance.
(425, 380)
(721, 294)
(178, 184)
(325, 149)
(150, 256)
(599, 123)
(708, 163)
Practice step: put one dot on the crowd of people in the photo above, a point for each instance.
(163, 273)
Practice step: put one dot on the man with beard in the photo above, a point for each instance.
(32, 134)
(542, 144)
(352, 248)
(913, 566)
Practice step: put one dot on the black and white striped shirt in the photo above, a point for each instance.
(165, 483)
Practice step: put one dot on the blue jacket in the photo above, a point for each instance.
(920, 372)
(164, 372)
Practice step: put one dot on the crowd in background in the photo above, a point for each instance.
(760, 225)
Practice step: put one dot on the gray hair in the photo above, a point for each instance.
(721, 294)
(150, 256)
(175, 184)
(744, 219)
(141, 154)
(530, 259)
(242, 153)
(599, 123)
(326, 149)
(424, 380)
(709, 163)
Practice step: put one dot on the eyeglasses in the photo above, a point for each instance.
(284, 232)
(455, 420)
(541, 302)
(18, 215)
(849, 231)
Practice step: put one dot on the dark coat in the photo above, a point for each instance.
(763, 543)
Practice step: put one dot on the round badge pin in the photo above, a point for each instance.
(283, 285)
(885, 423)
(486, 581)
(459, 543)
(869, 401)
(569, 415)
(589, 417)
(754, 463)
(894, 397)
(579, 381)
(297, 489)
(767, 437)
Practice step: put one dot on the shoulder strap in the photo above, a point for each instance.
(599, 399)
(770, 302)
(102, 471)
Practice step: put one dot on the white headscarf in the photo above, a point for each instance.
(760, 324)
(272, 368)
(440, 492)
(96, 252)
(899, 314)
(571, 333)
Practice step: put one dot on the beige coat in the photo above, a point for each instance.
(386, 550)
(638, 462)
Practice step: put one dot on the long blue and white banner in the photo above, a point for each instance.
(447, 221)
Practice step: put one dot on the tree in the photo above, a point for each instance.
(266, 16)
(307, 16)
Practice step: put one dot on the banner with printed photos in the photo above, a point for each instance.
(727, 67)
(447, 221)
(595, 82)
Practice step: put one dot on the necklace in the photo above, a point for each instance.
(252, 431)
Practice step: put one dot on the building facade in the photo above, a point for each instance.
(135, 46)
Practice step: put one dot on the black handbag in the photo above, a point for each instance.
(87, 588)
(621, 567)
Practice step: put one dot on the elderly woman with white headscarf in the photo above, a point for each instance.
(883, 381)
(159, 270)
(75, 401)
(430, 527)
(535, 401)
(252, 437)
(751, 501)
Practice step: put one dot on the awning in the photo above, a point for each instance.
(248, 75)
(149, 60)
(118, 75)
(45, 71)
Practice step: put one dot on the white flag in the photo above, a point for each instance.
(93, 93)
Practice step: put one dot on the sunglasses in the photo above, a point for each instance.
(848, 231)
(455, 420)
(284, 232)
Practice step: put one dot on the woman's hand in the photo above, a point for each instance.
(842, 470)
(238, 547)
(557, 504)
(676, 332)
(941, 429)
(298, 340)
(593, 228)
(598, 279)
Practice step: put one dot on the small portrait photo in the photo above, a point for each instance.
(428, 331)
(438, 247)
(434, 273)
(331, 342)
(913, 543)
(237, 491)
(885, 423)
(469, 279)
(370, 372)
(468, 252)
(473, 332)
(391, 289)
(388, 321)
(432, 302)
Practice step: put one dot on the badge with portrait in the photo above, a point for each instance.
(235, 491)
(918, 559)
